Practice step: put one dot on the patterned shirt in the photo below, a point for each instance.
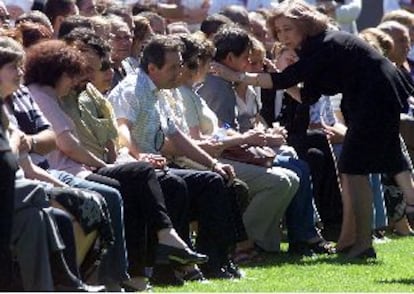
(30, 119)
(322, 111)
(137, 99)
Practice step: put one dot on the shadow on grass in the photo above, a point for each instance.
(280, 259)
(398, 281)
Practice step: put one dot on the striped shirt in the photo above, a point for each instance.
(137, 99)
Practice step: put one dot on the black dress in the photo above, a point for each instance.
(373, 93)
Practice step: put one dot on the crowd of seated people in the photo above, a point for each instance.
(116, 133)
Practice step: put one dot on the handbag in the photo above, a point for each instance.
(261, 156)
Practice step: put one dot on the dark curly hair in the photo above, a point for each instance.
(85, 38)
(156, 49)
(231, 39)
(47, 61)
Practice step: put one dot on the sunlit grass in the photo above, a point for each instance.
(393, 271)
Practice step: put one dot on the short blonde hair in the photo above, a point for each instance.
(309, 20)
(378, 39)
(402, 16)
(10, 50)
(257, 46)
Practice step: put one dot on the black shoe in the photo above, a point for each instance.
(344, 250)
(164, 275)
(167, 254)
(218, 273)
(192, 275)
(300, 249)
(367, 254)
(234, 270)
(81, 288)
(322, 247)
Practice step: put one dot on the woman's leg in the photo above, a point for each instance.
(405, 182)
(361, 195)
(348, 228)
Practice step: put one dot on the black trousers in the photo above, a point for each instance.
(314, 148)
(65, 226)
(146, 208)
(211, 207)
(8, 167)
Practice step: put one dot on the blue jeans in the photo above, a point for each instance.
(300, 213)
(114, 265)
(380, 212)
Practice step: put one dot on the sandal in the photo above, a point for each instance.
(244, 256)
(409, 214)
(322, 247)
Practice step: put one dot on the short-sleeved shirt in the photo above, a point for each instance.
(45, 97)
(197, 112)
(137, 99)
(30, 119)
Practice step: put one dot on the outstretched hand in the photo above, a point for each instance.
(224, 72)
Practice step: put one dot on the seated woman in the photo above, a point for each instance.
(312, 145)
(50, 87)
(42, 240)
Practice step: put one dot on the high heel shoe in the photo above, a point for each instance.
(368, 253)
(65, 280)
(167, 254)
(344, 250)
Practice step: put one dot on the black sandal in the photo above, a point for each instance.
(322, 247)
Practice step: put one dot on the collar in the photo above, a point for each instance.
(151, 84)
(47, 90)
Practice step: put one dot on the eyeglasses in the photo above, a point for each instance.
(159, 139)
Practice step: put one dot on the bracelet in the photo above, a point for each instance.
(214, 164)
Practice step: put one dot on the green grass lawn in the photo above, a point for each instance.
(393, 271)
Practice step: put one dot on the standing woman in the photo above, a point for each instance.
(332, 62)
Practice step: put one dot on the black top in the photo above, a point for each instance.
(373, 92)
(338, 62)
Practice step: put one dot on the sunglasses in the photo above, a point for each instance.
(159, 139)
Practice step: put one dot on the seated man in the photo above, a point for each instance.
(146, 126)
(239, 105)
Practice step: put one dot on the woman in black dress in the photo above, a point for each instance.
(332, 62)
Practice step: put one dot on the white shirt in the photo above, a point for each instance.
(390, 5)
(218, 5)
(347, 14)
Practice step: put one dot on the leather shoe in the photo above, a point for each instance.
(367, 254)
(192, 275)
(234, 270)
(81, 288)
(164, 275)
(300, 249)
(218, 273)
(167, 254)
